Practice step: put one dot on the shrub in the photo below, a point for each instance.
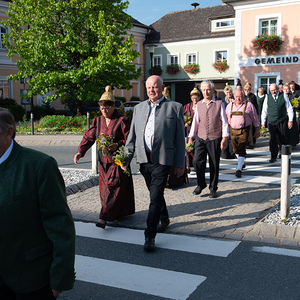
(7, 102)
(18, 112)
(61, 123)
(133, 98)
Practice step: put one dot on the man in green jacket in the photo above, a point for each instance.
(37, 235)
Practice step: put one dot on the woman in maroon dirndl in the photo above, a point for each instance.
(116, 187)
(188, 112)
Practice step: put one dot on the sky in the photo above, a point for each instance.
(149, 11)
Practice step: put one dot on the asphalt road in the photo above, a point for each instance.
(124, 271)
(64, 156)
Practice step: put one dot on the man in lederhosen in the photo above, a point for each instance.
(240, 114)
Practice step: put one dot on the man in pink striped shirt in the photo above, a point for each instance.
(240, 114)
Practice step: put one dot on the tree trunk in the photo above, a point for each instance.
(79, 108)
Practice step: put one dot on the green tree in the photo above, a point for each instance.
(71, 47)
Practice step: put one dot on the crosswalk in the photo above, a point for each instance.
(144, 279)
(258, 169)
(176, 281)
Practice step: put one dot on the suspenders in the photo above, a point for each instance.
(239, 113)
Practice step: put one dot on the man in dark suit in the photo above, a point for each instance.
(277, 108)
(157, 137)
(37, 235)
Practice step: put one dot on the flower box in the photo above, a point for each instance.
(191, 68)
(267, 43)
(221, 66)
(172, 69)
(156, 70)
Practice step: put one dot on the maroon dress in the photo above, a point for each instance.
(188, 111)
(116, 188)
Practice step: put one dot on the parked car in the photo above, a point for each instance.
(119, 104)
(130, 105)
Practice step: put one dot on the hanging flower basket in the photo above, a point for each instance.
(156, 70)
(221, 66)
(191, 68)
(172, 69)
(267, 43)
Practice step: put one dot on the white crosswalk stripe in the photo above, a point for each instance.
(145, 279)
(277, 251)
(198, 245)
(258, 169)
(152, 281)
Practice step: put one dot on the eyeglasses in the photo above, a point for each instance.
(105, 107)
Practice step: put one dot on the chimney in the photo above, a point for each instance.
(195, 4)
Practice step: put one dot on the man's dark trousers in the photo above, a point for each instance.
(156, 178)
(213, 149)
(278, 136)
(42, 294)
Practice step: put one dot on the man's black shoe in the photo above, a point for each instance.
(272, 160)
(149, 245)
(163, 224)
(238, 173)
(198, 190)
(213, 194)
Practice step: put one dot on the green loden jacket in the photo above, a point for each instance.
(37, 235)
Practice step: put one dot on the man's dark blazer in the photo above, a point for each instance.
(37, 236)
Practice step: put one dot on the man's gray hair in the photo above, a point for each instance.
(7, 120)
(211, 84)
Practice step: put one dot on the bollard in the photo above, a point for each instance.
(88, 119)
(94, 159)
(32, 126)
(286, 151)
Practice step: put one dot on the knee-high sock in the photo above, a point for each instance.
(241, 161)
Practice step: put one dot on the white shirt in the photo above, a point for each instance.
(150, 126)
(195, 124)
(6, 153)
(288, 106)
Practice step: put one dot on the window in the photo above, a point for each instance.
(157, 60)
(222, 24)
(191, 58)
(2, 32)
(265, 79)
(4, 89)
(221, 55)
(265, 82)
(268, 26)
(173, 59)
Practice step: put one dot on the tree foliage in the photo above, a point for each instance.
(71, 47)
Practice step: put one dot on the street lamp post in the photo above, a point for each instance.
(151, 51)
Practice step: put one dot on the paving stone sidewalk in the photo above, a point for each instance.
(236, 214)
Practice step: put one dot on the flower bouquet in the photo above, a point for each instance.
(295, 102)
(190, 147)
(263, 131)
(120, 159)
(187, 120)
(104, 141)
